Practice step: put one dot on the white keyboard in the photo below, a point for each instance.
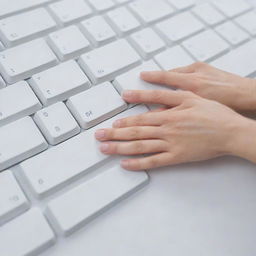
(63, 67)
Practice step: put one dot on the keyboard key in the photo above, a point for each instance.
(98, 195)
(247, 22)
(122, 21)
(29, 234)
(8, 7)
(2, 83)
(149, 11)
(240, 61)
(147, 42)
(68, 43)
(207, 13)
(232, 33)
(131, 80)
(101, 5)
(17, 101)
(22, 61)
(26, 26)
(173, 58)
(231, 10)
(46, 172)
(12, 200)
(182, 4)
(206, 46)
(56, 123)
(59, 83)
(66, 12)
(92, 106)
(14, 148)
(171, 30)
(98, 31)
(100, 65)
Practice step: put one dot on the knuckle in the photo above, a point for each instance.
(153, 162)
(134, 132)
(199, 64)
(139, 146)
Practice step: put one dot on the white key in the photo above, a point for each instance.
(231, 10)
(131, 80)
(12, 200)
(26, 26)
(100, 65)
(207, 13)
(179, 27)
(247, 22)
(66, 12)
(29, 234)
(98, 31)
(232, 33)
(149, 11)
(92, 106)
(68, 43)
(56, 123)
(147, 42)
(101, 5)
(240, 61)
(2, 83)
(182, 4)
(59, 83)
(122, 21)
(206, 46)
(22, 61)
(8, 7)
(17, 101)
(173, 58)
(19, 140)
(46, 172)
(98, 195)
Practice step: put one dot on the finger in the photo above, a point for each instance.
(126, 134)
(158, 109)
(133, 147)
(164, 97)
(185, 69)
(149, 162)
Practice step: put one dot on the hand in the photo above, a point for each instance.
(194, 129)
(208, 82)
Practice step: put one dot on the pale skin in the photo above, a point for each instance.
(198, 122)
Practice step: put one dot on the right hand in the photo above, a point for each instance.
(208, 82)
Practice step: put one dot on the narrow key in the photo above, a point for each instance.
(247, 22)
(171, 30)
(12, 200)
(66, 12)
(59, 83)
(149, 11)
(46, 172)
(22, 61)
(122, 21)
(232, 33)
(26, 26)
(12, 109)
(100, 65)
(174, 57)
(240, 61)
(98, 195)
(206, 46)
(29, 234)
(101, 5)
(2, 83)
(56, 123)
(8, 7)
(147, 43)
(14, 148)
(98, 31)
(182, 4)
(131, 80)
(68, 43)
(92, 106)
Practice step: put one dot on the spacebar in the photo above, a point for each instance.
(52, 168)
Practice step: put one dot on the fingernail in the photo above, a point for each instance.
(100, 134)
(125, 163)
(117, 123)
(127, 94)
(104, 147)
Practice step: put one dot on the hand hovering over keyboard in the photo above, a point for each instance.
(189, 129)
(206, 81)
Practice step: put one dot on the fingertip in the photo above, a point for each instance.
(127, 164)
